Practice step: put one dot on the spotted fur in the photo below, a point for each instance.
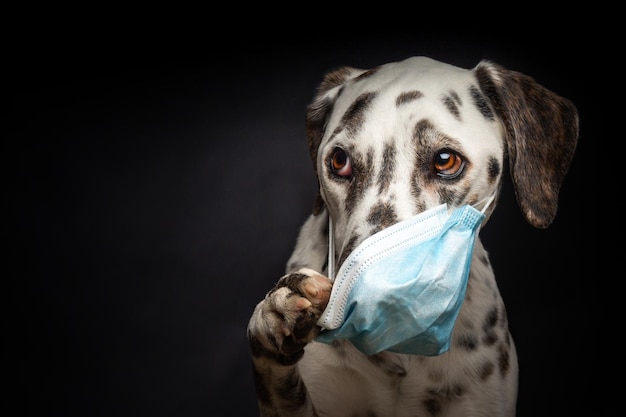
(416, 134)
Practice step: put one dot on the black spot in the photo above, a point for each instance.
(491, 318)
(422, 133)
(340, 347)
(490, 337)
(381, 216)
(362, 177)
(407, 97)
(389, 366)
(416, 191)
(449, 196)
(467, 342)
(456, 390)
(481, 103)
(452, 102)
(486, 371)
(433, 406)
(354, 117)
(388, 164)
(347, 250)
(504, 359)
(452, 196)
(493, 170)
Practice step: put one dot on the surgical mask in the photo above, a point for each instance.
(402, 288)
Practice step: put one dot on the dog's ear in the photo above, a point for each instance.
(541, 136)
(318, 113)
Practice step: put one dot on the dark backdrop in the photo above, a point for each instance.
(157, 187)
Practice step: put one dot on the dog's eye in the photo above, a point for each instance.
(448, 164)
(340, 163)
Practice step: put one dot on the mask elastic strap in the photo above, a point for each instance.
(488, 203)
(331, 250)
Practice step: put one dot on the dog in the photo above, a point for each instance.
(386, 144)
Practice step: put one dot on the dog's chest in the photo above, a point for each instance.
(346, 382)
(341, 381)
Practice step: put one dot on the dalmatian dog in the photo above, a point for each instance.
(386, 144)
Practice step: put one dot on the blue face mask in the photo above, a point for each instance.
(402, 288)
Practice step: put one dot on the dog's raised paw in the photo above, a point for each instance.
(286, 320)
(300, 297)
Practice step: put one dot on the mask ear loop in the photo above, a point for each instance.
(331, 250)
(488, 203)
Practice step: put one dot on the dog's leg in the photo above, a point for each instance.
(279, 329)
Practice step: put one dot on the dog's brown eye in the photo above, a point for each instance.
(340, 163)
(448, 164)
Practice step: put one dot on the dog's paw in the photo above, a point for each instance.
(285, 321)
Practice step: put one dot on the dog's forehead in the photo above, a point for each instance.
(431, 78)
(408, 91)
(417, 72)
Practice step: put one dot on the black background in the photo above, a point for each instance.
(158, 184)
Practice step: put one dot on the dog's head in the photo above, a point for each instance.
(393, 141)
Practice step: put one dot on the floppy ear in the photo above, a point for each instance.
(318, 113)
(541, 136)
